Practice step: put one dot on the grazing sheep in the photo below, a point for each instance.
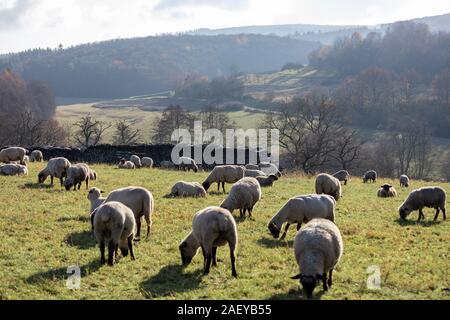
(244, 194)
(328, 184)
(188, 189)
(56, 167)
(94, 196)
(267, 181)
(342, 176)
(147, 162)
(187, 163)
(252, 167)
(36, 156)
(140, 201)
(370, 176)
(76, 175)
(404, 181)
(114, 222)
(387, 191)
(92, 175)
(167, 164)
(302, 209)
(224, 174)
(123, 164)
(430, 197)
(13, 170)
(211, 228)
(269, 168)
(136, 160)
(318, 248)
(13, 154)
(254, 173)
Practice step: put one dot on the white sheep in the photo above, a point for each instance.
(404, 181)
(327, 184)
(136, 160)
(114, 222)
(318, 247)
(147, 162)
(244, 195)
(430, 197)
(302, 209)
(224, 174)
(123, 164)
(56, 168)
(36, 156)
(387, 191)
(95, 198)
(370, 176)
(13, 170)
(188, 164)
(76, 175)
(267, 181)
(254, 173)
(188, 189)
(13, 154)
(211, 228)
(140, 201)
(342, 176)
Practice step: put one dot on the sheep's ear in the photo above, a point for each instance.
(101, 191)
(296, 277)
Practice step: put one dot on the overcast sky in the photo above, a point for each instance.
(46, 23)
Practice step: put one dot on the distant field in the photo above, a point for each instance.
(46, 230)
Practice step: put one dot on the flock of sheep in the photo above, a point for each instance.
(318, 246)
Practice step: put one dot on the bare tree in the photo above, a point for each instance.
(89, 131)
(348, 148)
(173, 118)
(125, 133)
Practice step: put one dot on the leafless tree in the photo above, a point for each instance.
(89, 131)
(348, 148)
(125, 133)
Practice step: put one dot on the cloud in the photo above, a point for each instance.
(11, 12)
(221, 4)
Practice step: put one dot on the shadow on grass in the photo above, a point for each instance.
(78, 218)
(275, 243)
(423, 223)
(61, 273)
(35, 186)
(217, 193)
(296, 294)
(82, 240)
(169, 280)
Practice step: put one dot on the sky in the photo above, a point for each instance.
(26, 24)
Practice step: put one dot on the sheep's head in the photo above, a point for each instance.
(206, 185)
(273, 177)
(386, 187)
(68, 183)
(309, 283)
(188, 250)
(42, 177)
(274, 230)
(404, 211)
(196, 169)
(94, 194)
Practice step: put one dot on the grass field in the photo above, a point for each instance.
(45, 230)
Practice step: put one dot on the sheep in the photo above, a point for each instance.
(254, 173)
(370, 176)
(36, 156)
(404, 181)
(13, 170)
(211, 228)
(114, 222)
(94, 196)
(301, 209)
(123, 164)
(147, 162)
(387, 191)
(269, 168)
(267, 181)
(138, 199)
(318, 247)
(92, 175)
(13, 154)
(224, 174)
(187, 163)
(328, 184)
(188, 189)
(76, 175)
(252, 167)
(26, 159)
(56, 167)
(244, 194)
(167, 165)
(342, 176)
(136, 160)
(430, 197)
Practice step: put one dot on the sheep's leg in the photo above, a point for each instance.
(345, 182)
(324, 281)
(443, 213)
(241, 213)
(218, 186)
(420, 215)
(330, 278)
(233, 261)
(116, 251)
(437, 214)
(250, 211)
(102, 252)
(130, 247)
(214, 256)
(299, 226)
(223, 187)
(285, 231)
(61, 181)
(138, 227)
(111, 249)
(87, 184)
(51, 181)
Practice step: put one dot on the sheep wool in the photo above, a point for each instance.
(76, 175)
(36, 156)
(188, 164)
(327, 184)
(13, 170)
(147, 162)
(254, 173)
(387, 191)
(136, 160)
(188, 189)
(370, 176)
(127, 165)
(404, 181)
(56, 168)
(13, 154)
(342, 176)
(224, 174)
(243, 196)
(430, 197)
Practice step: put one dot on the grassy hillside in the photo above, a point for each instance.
(45, 230)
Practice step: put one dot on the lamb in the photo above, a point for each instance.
(224, 174)
(302, 209)
(342, 176)
(123, 164)
(147, 162)
(430, 197)
(13, 154)
(94, 196)
(136, 160)
(56, 167)
(252, 167)
(188, 189)
(404, 181)
(243, 196)
(140, 201)
(13, 170)
(370, 176)
(76, 175)
(328, 184)
(187, 163)
(318, 248)
(254, 173)
(267, 181)
(211, 228)
(114, 222)
(36, 156)
(387, 191)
